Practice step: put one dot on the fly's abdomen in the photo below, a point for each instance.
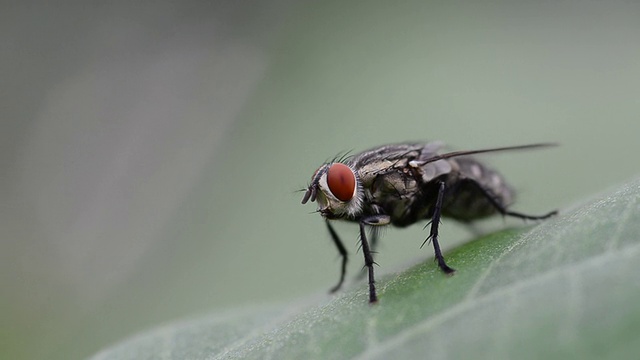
(469, 188)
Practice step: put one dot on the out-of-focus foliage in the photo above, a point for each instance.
(151, 154)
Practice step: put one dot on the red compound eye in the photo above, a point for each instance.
(341, 181)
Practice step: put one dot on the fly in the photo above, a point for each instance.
(401, 184)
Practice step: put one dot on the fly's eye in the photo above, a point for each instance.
(341, 181)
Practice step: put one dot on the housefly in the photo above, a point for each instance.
(401, 184)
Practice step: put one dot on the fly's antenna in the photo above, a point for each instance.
(310, 194)
(473, 152)
(312, 190)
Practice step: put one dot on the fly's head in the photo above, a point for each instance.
(337, 189)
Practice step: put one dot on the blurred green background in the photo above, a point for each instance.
(151, 154)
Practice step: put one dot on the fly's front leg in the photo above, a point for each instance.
(343, 253)
(376, 220)
(433, 234)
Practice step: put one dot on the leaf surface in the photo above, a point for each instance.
(566, 288)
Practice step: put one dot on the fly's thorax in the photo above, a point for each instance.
(369, 172)
(339, 191)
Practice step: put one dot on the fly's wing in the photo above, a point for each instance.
(443, 166)
(434, 169)
(423, 156)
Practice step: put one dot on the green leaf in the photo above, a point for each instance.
(566, 288)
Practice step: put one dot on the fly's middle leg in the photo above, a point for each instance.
(375, 220)
(433, 234)
(368, 262)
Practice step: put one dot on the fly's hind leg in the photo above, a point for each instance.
(502, 209)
